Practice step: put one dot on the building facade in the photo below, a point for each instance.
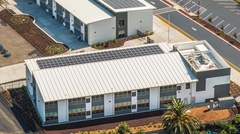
(121, 81)
(97, 21)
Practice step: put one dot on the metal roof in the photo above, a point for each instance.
(88, 11)
(111, 76)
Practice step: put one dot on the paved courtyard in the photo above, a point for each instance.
(45, 21)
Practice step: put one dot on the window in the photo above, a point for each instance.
(122, 94)
(143, 103)
(76, 101)
(77, 112)
(121, 23)
(188, 85)
(97, 109)
(88, 100)
(167, 99)
(178, 87)
(133, 106)
(122, 106)
(88, 113)
(133, 94)
(51, 104)
(143, 92)
(51, 116)
(97, 98)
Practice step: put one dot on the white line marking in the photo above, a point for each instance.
(231, 30)
(194, 29)
(227, 3)
(220, 23)
(215, 18)
(238, 13)
(187, 3)
(226, 25)
(229, 6)
(207, 16)
(153, 2)
(192, 6)
(203, 11)
(222, 0)
(179, 1)
(238, 33)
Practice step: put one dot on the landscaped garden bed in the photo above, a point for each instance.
(119, 42)
(25, 26)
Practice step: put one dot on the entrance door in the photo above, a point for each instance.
(121, 33)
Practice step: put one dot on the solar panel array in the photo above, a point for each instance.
(119, 4)
(100, 56)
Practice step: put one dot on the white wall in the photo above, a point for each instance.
(154, 97)
(101, 31)
(140, 20)
(40, 104)
(89, 108)
(185, 93)
(134, 101)
(71, 22)
(54, 9)
(29, 80)
(83, 31)
(108, 104)
(62, 110)
(210, 83)
(38, 2)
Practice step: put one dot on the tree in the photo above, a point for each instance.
(222, 27)
(210, 20)
(235, 35)
(123, 128)
(177, 121)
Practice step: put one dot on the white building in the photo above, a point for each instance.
(119, 81)
(101, 20)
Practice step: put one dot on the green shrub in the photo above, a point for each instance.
(140, 131)
(236, 120)
(114, 40)
(223, 132)
(123, 128)
(104, 132)
(150, 124)
(54, 49)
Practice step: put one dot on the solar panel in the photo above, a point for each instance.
(119, 4)
(100, 56)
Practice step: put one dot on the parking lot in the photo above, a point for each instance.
(224, 13)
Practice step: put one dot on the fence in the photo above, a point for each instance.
(13, 84)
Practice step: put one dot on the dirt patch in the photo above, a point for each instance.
(204, 115)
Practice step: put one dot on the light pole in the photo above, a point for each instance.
(168, 27)
(198, 11)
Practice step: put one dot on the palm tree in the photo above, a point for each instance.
(177, 121)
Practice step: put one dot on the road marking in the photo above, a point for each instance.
(207, 16)
(231, 30)
(238, 33)
(222, 0)
(179, 1)
(238, 13)
(220, 23)
(229, 6)
(153, 2)
(165, 24)
(194, 29)
(202, 11)
(226, 25)
(227, 3)
(215, 18)
(187, 3)
(192, 7)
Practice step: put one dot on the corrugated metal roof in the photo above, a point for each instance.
(88, 11)
(111, 76)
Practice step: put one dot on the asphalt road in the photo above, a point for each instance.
(226, 13)
(198, 32)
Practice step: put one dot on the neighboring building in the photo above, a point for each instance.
(101, 20)
(120, 81)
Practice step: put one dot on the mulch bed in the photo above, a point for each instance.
(132, 120)
(234, 89)
(23, 24)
